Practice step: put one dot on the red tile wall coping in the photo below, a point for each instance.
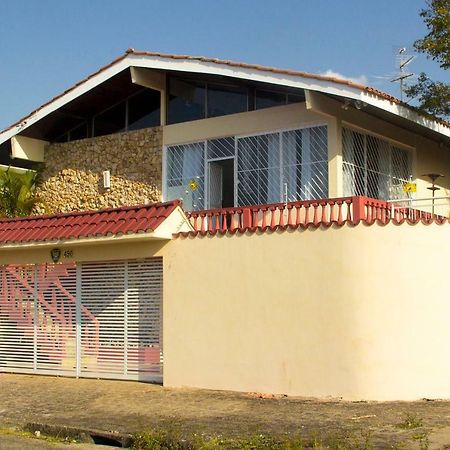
(305, 214)
(85, 224)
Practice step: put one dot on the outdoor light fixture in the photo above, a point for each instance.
(358, 104)
(433, 188)
(346, 105)
(106, 179)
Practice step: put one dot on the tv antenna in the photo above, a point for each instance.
(402, 60)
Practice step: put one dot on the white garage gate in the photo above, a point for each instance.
(93, 319)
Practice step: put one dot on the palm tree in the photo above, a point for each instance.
(17, 192)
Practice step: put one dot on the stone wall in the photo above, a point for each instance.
(72, 178)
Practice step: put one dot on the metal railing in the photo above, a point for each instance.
(427, 206)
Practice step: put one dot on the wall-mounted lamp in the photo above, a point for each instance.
(106, 179)
(358, 104)
(346, 104)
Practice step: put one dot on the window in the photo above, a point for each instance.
(140, 110)
(292, 163)
(305, 163)
(144, 110)
(268, 99)
(186, 174)
(267, 167)
(191, 100)
(113, 120)
(223, 100)
(373, 167)
(80, 132)
(187, 101)
(296, 98)
(258, 169)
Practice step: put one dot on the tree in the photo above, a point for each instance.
(434, 96)
(17, 192)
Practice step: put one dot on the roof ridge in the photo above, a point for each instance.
(132, 51)
(90, 212)
(297, 72)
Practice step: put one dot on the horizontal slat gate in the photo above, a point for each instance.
(17, 330)
(99, 319)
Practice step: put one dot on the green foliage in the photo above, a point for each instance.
(437, 42)
(17, 192)
(422, 439)
(434, 97)
(169, 440)
(410, 422)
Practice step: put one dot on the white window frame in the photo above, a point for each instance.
(236, 137)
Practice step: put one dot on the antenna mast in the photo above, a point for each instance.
(402, 59)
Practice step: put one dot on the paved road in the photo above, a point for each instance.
(12, 442)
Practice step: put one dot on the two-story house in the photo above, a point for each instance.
(246, 148)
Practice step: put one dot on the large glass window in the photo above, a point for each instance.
(223, 100)
(305, 163)
(268, 167)
(187, 101)
(373, 167)
(80, 132)
(291, 163)
(111, 121)
(259, 169)
(268, 99)
(186, 175)
(192, 100)
(144, 110)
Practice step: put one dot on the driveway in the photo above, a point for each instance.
(131, 407)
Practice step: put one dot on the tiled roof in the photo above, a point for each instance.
(261, 68)
(218, 61)
(86, 224)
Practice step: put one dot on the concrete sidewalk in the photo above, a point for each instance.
(130, 407)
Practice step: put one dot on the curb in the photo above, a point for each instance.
(82, 435)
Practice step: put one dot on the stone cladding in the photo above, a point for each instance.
(72, 178)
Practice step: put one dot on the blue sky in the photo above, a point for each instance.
(48, 45)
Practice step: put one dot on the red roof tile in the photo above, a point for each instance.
(85, 224)
(218, 61)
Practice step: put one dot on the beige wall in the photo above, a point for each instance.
(72, 177)
(89, 252)
(354, 312)
(269, 119)
(359, 313)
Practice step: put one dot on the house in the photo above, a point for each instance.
(296, 263)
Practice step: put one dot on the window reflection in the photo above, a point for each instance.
(144, 110)
(186, 101)
(110, 121)
(223, 100)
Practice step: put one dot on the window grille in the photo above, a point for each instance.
(270, 168)
(373, 167)
(185, 163)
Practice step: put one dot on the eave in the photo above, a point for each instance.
(250, 72)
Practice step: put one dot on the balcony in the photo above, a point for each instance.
(315, 213)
